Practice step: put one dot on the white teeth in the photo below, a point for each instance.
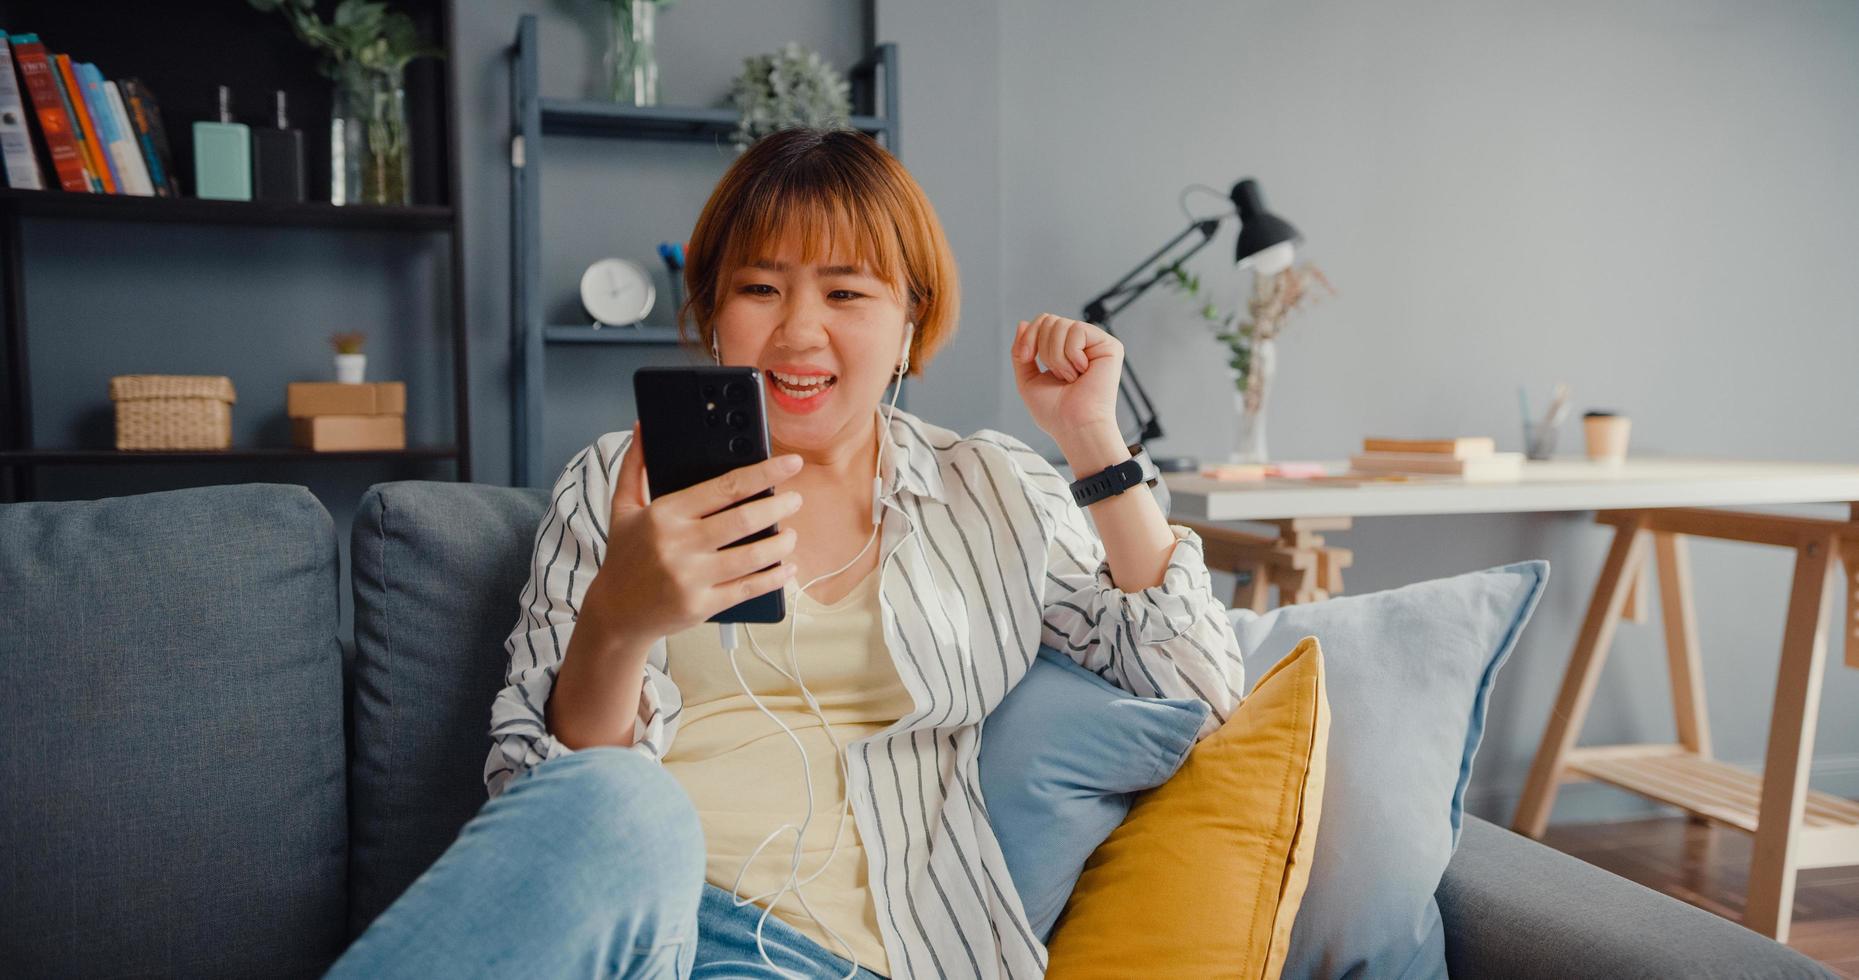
(802, 385)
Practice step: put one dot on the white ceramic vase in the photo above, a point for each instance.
(351, 368)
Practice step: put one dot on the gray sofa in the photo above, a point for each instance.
(197, 785)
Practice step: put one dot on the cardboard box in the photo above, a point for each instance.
(335, 433)
(307, 399)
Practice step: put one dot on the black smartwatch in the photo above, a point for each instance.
(1136, 470)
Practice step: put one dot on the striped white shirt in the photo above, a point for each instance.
(1001, 561)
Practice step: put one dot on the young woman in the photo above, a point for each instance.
(650, 813)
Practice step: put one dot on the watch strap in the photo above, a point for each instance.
(1107, 483)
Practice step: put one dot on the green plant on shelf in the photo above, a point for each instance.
(366, 49)
(787, 89)
(363, 33)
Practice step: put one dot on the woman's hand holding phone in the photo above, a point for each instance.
(667, 567)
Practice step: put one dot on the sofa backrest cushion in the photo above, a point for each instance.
(437, 568)
(172, 791)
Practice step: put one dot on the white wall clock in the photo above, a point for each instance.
(617, 292)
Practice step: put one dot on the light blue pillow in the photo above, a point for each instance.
(1408, 673)
(1062, 758)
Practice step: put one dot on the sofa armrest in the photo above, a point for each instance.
(1515, 908)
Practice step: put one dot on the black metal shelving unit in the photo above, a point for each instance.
(155, 42)
(874, 104)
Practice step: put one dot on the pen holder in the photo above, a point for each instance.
(1539, 440)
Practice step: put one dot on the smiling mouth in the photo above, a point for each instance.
(801, 386)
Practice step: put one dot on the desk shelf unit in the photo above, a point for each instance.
(874, 103)
(254, 52)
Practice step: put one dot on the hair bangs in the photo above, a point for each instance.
(822, 220)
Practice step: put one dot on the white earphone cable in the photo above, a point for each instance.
(794, 881)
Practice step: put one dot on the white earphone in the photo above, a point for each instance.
(793, 880)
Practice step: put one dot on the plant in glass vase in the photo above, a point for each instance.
(1252, 344)
(366, 49)
(632, 50)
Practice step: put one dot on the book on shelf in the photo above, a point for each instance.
(96, 158)
(21, 164)
(145, 118)
(125, 150)
(55, 125)
(1497, 466)
(1462, 447)
(101, 135)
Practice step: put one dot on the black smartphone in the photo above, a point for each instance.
(698, 423)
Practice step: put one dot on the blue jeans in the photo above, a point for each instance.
(589, 865)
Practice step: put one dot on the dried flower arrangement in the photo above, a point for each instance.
(347, 342)
(1274, 299)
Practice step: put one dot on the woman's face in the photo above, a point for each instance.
(826, 336)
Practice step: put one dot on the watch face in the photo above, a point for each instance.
(616, 291)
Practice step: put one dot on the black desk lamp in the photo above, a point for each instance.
(1265, 240)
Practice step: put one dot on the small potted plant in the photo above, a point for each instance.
(351, 363)
(789, 88)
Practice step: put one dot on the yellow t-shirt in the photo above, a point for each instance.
(744, 774)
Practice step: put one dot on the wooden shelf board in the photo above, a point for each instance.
(192, 210)
(595, 117)
(589, 334)
(1727, 794)
(235, 455)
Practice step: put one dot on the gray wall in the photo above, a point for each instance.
(1654, 201)
(1651, 201)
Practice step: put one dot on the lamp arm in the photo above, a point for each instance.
(1128, 291)
(1206, 226)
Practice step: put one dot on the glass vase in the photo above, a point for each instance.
(632, 56)
(370, 157)
(1251, 396)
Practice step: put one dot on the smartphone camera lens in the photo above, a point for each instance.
(710, 393)
(737, 418)
(736, 391)
(713, 419)
(738, 446)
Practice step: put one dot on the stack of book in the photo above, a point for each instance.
(101, 136)
(334, 416)
(1468, 457)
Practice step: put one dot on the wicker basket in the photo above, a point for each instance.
(172, 411)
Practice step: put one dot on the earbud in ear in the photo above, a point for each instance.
(903, 361)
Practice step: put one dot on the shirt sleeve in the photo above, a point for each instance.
(1172, 640)
(569, 547)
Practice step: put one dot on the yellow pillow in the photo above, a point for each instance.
(1204, 877)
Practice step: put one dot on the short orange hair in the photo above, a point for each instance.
(819, 184)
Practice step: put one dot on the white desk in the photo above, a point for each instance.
(1555, 485)
(1654, 504)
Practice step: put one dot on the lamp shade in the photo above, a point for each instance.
(1259, 229)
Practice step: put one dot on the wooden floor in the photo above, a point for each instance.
(1709, 868)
